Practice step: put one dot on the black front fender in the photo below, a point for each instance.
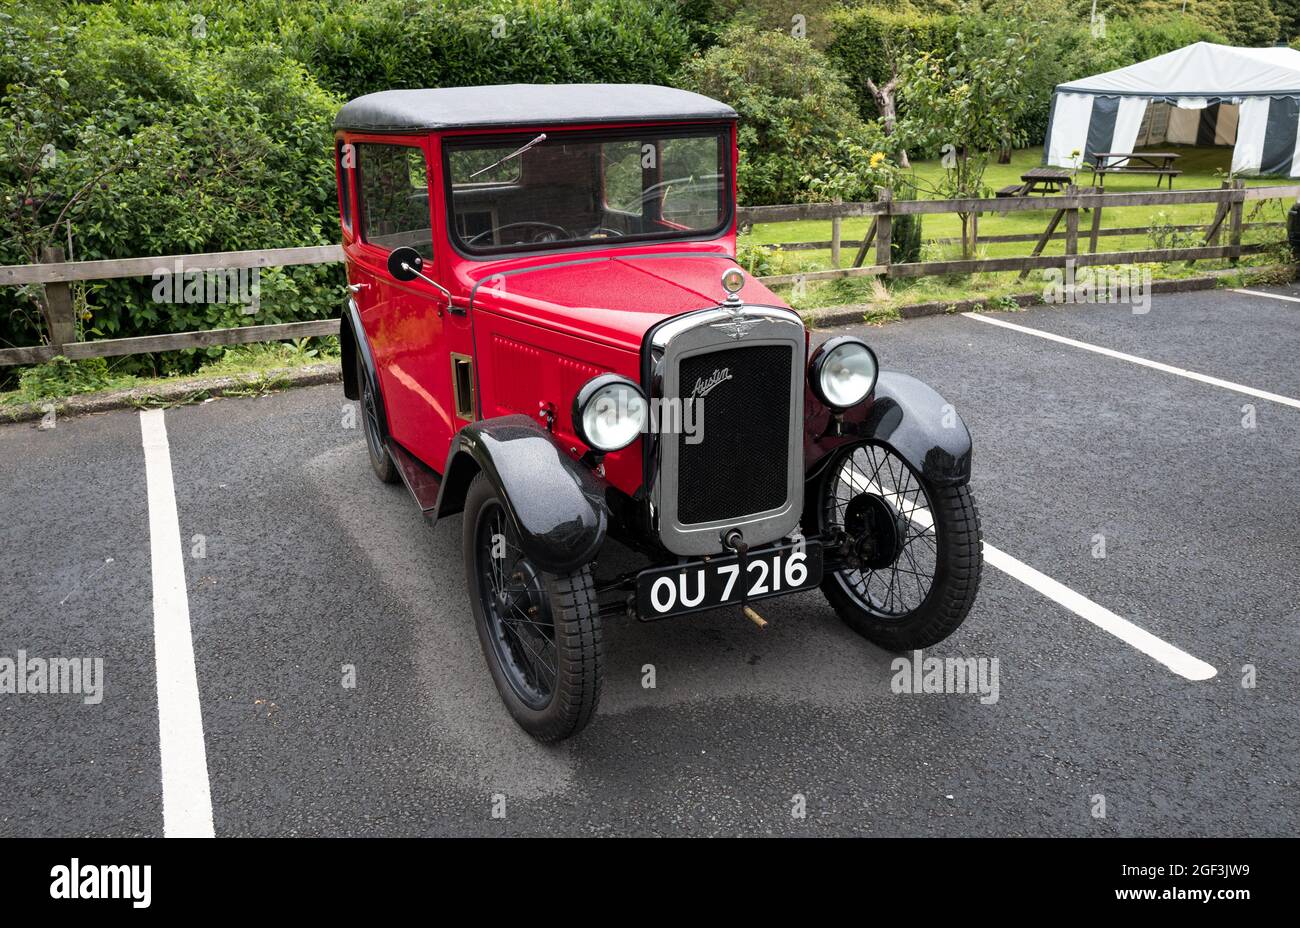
(921, 426)
(557, 503)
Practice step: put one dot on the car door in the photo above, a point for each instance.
(407, 326)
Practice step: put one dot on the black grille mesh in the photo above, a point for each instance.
(741, 466)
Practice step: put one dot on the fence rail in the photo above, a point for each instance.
(1229, 200)
(56, 275)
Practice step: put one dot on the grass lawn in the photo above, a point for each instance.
(1202, 168)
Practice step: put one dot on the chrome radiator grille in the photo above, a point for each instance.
(742, 466)
(745, 471)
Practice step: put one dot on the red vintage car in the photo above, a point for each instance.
(549, 333)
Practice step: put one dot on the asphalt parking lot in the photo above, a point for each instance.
(1163, 676)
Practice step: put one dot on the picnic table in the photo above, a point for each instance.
(1043, 180)
(1159, 163)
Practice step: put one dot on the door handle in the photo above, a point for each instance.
(357, 288)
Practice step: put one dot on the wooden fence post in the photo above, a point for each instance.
(1220, 214)
(884, 230)
(1043, 240)
(1221, 211)
(835, 235)
(1072, 224)
(1096, 224)
(1234, 233)
(59, 318)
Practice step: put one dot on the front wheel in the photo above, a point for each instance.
(540, 632)
(912, 550)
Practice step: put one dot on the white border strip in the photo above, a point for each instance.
(186, 797)
(1177, 660)
(1134, 359)
(1271, 296)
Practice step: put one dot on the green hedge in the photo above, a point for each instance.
(357, 48)
(199, 126)
(793, 107)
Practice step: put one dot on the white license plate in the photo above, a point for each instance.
(721, 581)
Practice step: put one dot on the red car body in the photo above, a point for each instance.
(608, 274)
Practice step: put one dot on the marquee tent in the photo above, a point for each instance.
(1204, 94)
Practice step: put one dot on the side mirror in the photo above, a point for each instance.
(405, 263)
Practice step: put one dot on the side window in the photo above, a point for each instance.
(623, 176)
(394, 193)
(345, 157)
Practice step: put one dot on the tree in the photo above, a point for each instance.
(794, 108)
(967, 104)
(1288, 14)
(883, 94)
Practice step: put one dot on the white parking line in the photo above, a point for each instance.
(1177, 660)
(1134, 359)
(1271, 296)
(187, 800)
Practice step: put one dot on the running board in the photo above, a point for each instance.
(421, 479)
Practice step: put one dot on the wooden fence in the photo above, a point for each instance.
(1229, 200)
(56, 275)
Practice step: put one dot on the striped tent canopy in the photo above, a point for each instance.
(1204, 94)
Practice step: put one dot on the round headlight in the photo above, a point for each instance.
(609, 412)
(844, 372)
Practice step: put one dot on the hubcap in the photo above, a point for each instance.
(876, 530)
(884, 509)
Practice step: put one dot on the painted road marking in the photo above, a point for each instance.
(1134, 359)
(1271, 296)
(187, 799)
(1176, 659)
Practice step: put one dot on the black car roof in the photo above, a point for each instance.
(525, 105)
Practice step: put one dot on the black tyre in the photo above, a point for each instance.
(917, 549)
(540, 632)
(376, 445)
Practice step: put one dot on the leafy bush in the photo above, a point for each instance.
(794, 108)
(1240, 22)
(61, 377)
(151, 127)
(871, 42)
(758, 260)
(357, 48)
(165, 147)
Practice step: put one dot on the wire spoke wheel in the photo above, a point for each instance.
(540, 630)
(911, 549)
(517, 609)
(370, 419)
(873, 492)
(376, 445)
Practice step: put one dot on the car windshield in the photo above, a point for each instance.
(533, 191)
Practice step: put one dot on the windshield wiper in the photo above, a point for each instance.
(514, 154)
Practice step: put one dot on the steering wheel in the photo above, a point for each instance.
(542, 235)
(612, 233)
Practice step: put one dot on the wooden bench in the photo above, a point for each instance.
(1158, 163)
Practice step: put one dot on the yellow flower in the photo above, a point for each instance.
(877, 158)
